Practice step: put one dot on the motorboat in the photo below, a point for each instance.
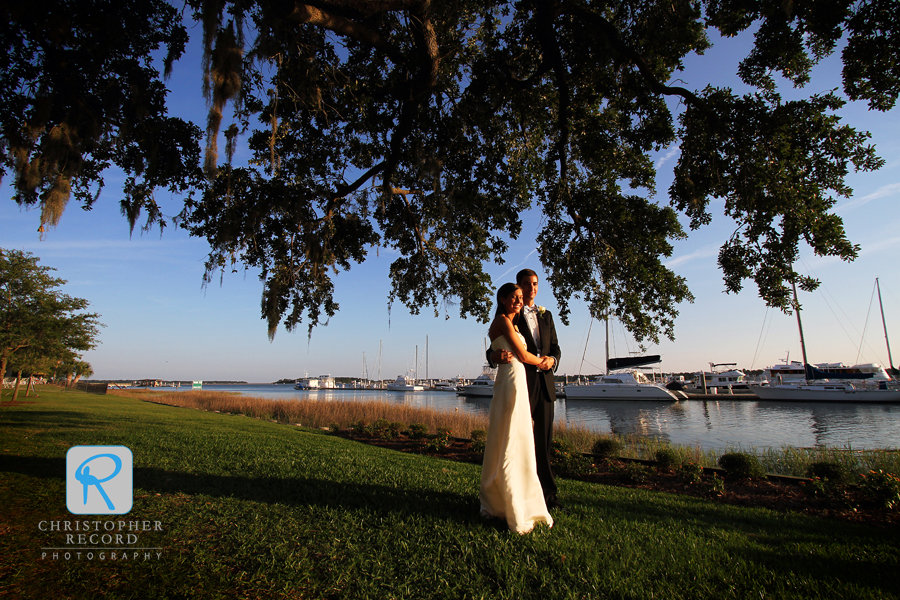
(483, 385)
(443, 386)
(630, 385)
(718, 378)
(480, 386)
(405, 384)
(793, 372)
(322, 382)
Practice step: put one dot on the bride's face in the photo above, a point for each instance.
(513, 303)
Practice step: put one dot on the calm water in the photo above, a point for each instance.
(722, 423)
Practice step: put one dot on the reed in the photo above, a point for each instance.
(316, 414)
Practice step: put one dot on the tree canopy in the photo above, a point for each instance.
(40, 326)
(429, 127)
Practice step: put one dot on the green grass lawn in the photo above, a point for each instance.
(253, 509)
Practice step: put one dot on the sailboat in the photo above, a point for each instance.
(823, 386)
(626, 384)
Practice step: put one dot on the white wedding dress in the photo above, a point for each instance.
(510, 488)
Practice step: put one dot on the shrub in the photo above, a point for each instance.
(606, 447)
(740, 465)
(715, 485)
(566, 460)
(440, 441)
(634, 472)
(381, 429)
(334, 427)
(883, 488)
(691, 472)
(479, 437)
(834, 472)
(396, 427)
(417, 431)
(358, 427)
(666, 458)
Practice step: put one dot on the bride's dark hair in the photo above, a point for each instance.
(505, 290)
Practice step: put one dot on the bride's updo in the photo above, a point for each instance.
(505, 290)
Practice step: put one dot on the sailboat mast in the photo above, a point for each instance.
(800, 327)
(607, 345)
(884, 324)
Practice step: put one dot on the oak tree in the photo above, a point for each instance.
(429, 127)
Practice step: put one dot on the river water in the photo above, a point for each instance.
(725, 423)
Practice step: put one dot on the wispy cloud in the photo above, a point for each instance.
(675, 150)
(885, 190)
(704, 252)
(879, 245)
(518, 266)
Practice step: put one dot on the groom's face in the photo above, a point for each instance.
(529, 287)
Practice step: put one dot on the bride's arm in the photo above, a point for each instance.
(518, 347)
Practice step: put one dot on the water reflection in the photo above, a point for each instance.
(721, 423)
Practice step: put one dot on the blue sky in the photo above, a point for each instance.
(161, 322)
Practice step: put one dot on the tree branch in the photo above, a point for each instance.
(612, 34)
(305, 13)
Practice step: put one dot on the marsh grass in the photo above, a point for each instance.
(344, 414)
(315, 414)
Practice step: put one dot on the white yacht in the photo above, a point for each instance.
(721, 379)
(405, 384)
(827, 392)
(631, 385)
(483, 385)
(793, 372)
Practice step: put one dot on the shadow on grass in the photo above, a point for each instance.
(287, 491)
(825, 550)
(49, 419)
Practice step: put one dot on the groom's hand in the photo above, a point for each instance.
(546, 363)
(501, 357)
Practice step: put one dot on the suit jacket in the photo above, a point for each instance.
(541, 384)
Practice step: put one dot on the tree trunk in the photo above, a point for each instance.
(16, 390)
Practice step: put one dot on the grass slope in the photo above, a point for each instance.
(254, 509)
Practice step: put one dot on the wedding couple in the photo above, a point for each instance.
(516, 480)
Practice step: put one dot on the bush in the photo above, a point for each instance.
(714, 486)
(479, 437)
(606, 447)
(381, 429)
(566, 460)
(634, 472)
(690, 472)
(396, 428)
(834, 472)
(417, 431)
(359, 427)
(666, 458)
(740, 465)
(440, 441)
(883, 488)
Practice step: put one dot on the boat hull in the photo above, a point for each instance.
(476, 390)
(825, 393)
(600, 391)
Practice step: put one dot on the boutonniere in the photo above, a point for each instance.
(541, 311)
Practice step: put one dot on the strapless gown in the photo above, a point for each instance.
(510, 488)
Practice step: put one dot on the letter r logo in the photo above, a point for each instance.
(99, 480)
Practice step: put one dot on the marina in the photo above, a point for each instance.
(716, 421)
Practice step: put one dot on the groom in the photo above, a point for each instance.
(536, 325)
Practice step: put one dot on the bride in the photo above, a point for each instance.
(510, 488)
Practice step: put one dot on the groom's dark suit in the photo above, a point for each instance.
(542, 395)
